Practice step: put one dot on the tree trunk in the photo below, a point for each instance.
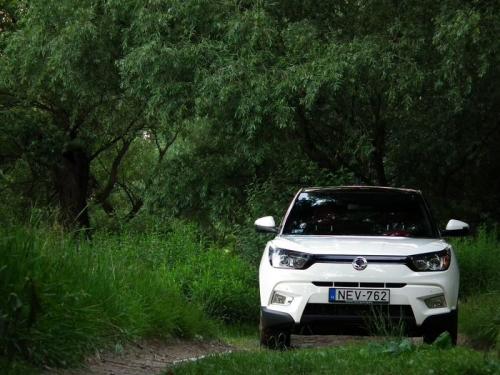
(379, 153)
(72, 179)
(378, 141)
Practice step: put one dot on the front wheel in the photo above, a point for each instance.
(432, 332)
(276, 339)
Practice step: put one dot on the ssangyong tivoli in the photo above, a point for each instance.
(358, 260)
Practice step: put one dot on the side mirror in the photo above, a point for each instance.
(456, 228)
(266, 224)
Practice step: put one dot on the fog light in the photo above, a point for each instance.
(436, 302)
(280, 299)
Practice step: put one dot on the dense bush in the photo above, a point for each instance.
(480, 320)
(63, 297)
(480, 288)
(479, 259)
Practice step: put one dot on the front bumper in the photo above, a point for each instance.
(411, 289)
(279, 321)
(307, 293)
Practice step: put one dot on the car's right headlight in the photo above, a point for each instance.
(438, 261)
(282, 258)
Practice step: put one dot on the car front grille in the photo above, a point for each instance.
(351, 284)
(358, 310)
(355, 318)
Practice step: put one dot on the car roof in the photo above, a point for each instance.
(352, 188)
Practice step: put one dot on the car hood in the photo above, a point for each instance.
(359, 245)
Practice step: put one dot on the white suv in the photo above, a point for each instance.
(358, 260)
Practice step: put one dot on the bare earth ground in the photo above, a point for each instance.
(153, 357)
(146, 358)
(302, 342)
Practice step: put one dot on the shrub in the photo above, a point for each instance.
(16, 368)
(216, 279)
(480, 320)
(479, 259)
(62, 297)
(224, 285)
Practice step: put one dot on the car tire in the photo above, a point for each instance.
(274, 338)
(432, 332)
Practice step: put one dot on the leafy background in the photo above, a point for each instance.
(139, 140)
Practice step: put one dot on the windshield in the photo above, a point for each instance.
(359, 213)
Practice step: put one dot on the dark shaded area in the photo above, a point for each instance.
(218, 113)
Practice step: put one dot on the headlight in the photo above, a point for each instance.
(281, 258)
(439, 261)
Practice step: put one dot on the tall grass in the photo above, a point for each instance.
(61, 298)
(479, 259)
(480, 320)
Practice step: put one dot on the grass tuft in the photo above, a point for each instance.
(480, 320)
(63, 297)
(479, 259)
(359, 359)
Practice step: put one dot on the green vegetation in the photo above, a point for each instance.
(480, 288)
(480, 320)
(371, 359)
(219, 111)
(65, 297)
(478, 257)
(149, 135)
(17, 368)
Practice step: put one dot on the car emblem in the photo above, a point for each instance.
(359, 263)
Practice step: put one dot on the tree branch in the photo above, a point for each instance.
(118, 138)
(138, 202)
(103, 196)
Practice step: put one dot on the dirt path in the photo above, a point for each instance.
(146, 358)
(303, 342)
(153, 357)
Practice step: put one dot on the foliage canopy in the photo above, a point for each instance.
(206, 109)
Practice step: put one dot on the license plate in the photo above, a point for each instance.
(359, 295)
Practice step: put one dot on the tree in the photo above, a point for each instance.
(63, 102)
(384, 92)
(281, 93)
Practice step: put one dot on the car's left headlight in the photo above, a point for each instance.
(438, 261)
(282, 258)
